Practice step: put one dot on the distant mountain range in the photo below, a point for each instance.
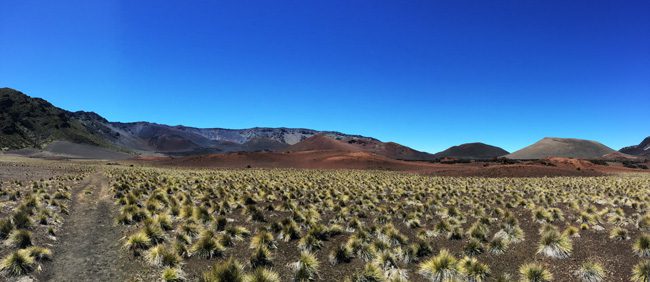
(27, 122)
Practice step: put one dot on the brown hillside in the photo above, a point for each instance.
(321, 142)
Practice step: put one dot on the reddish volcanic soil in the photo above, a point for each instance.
(326, 159)
(343, 159)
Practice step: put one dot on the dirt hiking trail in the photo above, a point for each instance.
(89, 243)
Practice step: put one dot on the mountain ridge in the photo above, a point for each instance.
(142, 137)
(643, 149)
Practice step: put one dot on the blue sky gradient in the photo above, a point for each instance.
(427, 74)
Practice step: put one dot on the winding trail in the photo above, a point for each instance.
(88, 247)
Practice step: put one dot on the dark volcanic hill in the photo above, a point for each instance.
(475, 151)
(643, 149)
(27, 122)
(562, 147)
(33, 122)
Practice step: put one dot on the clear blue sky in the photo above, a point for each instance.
(427, 74)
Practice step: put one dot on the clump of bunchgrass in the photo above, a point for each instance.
(261, 257)
(342, 254)
(237, 232)
(207, 246)
(262, 275)
(21, 219)
(370, 273)
(201, 214)
(306, 268)
(229, 270)
(641, 246)
(172, 274)
(263, 238)
(155, 232)
(388, 260)
(473, 270)
(164, 221)
(504, 277)
(619, 234)
(137, 242)
(510, 231)
(161, 255)
(533, 272)
(571, 231)
(40, 253)
(498, 246)
(6, 226)
(641, 272)
(20, 238)
(478, 231)
(590, 272)
(17, 263)
(443, 267)
(474, 247)
(417, 250)
(189, 229)
(555, 245)
(643, 223)
(310, 243)
(442, 227)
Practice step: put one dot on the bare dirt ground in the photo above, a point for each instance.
(20, 168)
(333, 159)
(68, 150)
(89, 243)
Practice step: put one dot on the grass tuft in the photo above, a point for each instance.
(262, 275)
(17, 263)
(441, 268)
(590, 272)
(170, 274)
(306, 268)
(261, 257)
(641, 246)
(137, 242)
(619, 234)
(6, 226)
(533, 272)
(641, 272)
(229, 270)
(40, 253)
(207, 246)
(555, 245)
(473, 270)
(20, 238)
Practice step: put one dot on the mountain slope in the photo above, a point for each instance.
(643, 149)
(34, 122)
(320, 142)
(562, 147)
(396, 151)
(355, 144)
(472, 151)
